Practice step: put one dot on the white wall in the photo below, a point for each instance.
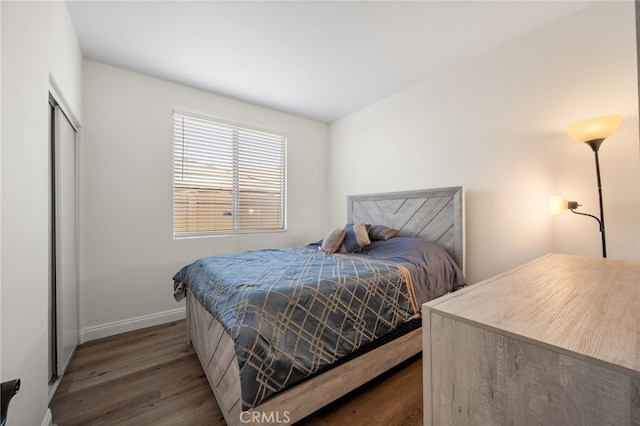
(127, 251)
(495, 125)
(38, 41)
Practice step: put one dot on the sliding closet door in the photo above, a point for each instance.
(65, 275)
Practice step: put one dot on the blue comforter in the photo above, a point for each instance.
(292, 312)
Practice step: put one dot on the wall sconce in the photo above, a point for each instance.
(592, 132)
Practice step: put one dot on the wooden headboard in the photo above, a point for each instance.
(434, 214)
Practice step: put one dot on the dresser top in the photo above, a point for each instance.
(584, 305)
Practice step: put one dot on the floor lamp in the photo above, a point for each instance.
(592, 132)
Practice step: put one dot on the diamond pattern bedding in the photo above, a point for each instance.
(292, 312)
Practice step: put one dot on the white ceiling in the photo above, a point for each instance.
(321, 60)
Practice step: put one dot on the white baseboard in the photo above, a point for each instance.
(48, 418)
(117, 327)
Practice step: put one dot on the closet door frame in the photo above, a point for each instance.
(63, 245)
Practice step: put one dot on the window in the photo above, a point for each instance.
(226, 178)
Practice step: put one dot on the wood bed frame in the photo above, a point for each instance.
(435, 214)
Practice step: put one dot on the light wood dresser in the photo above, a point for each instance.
(553, 342)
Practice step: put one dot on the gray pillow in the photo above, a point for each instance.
(381, 232)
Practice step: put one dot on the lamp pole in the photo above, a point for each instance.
(595, 145)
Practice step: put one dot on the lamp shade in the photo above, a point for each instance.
(594, 128)
(557, 204)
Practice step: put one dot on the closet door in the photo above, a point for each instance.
(66, 287)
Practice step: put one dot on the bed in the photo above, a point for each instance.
(274, 386)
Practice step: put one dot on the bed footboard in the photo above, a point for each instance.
(217, 356)
(216, 353)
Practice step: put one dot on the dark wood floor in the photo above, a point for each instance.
(152, 377)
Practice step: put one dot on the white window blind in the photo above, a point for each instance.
(226, 178)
